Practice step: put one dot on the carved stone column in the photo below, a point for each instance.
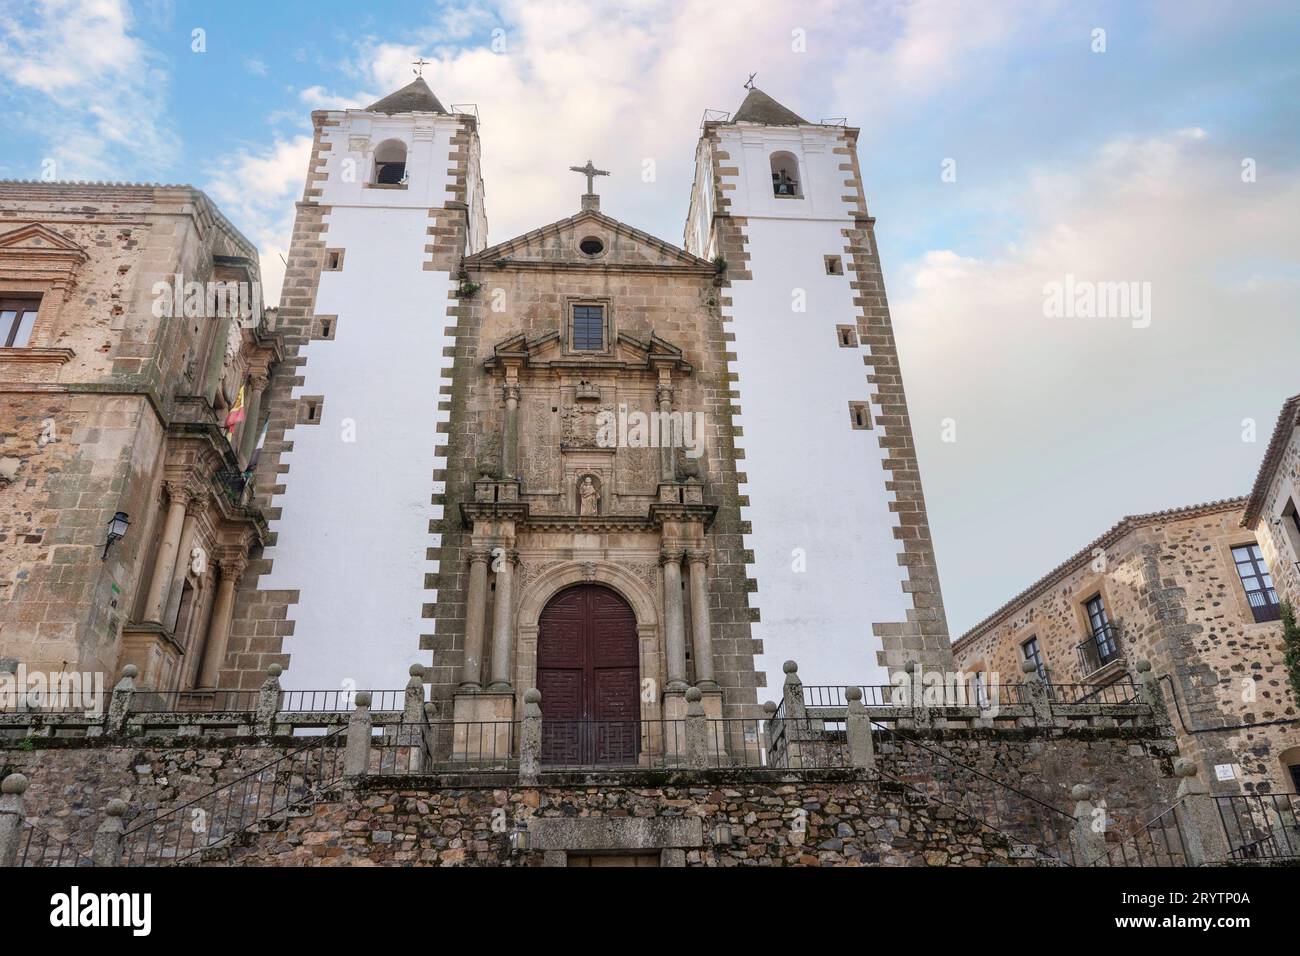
(510, 440)
(252, 412)
(475, 613)
(179, 496)
(503, 631)
(223, 608)
(701, 634)
(674, 625)
(667, 453)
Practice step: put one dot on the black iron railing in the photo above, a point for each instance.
(1159, 842)
(1261, 826)
(38, 847)
(273, 789)
(1102, 647)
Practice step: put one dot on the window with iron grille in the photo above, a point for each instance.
(1103, 635)
(17, 316)
(1034, 653)
(588, 333)
(1257, 582)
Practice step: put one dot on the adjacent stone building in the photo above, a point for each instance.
(133, 351)
(1188, 590)
(1273, 508)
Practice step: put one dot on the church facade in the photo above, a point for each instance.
(595, 463)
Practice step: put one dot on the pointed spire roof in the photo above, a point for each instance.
(761, 108)
(415, 97)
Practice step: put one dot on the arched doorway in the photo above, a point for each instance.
(588, 672)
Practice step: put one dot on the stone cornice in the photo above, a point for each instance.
(1081, 557)
(1287, 421)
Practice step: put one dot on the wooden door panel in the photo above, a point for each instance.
(588, 659)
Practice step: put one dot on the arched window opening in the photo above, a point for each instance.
(390, 163)
(785, 176)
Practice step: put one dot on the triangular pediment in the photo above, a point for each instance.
(559, 244)
(630, 352)
(35, 238)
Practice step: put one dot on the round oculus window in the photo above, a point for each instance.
(591, 246)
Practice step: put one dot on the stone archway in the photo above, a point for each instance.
(624, 581)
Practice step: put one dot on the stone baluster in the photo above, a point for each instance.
(701, 631)
(530, 739)
(697, 731)
(475, 617)
(1205, 842)
(674, 624)
(857, 727)
(356, 754)
(107, 848)
(119, 705)
(223, 610)
(268, 702)
(178, 500)
(503, 630)
(1040, 700)
(1089, 827)
(12, 789)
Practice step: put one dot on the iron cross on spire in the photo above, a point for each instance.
(419, 65)
(591, 172)
(749, 83)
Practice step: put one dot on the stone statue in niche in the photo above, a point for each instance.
(588, 496)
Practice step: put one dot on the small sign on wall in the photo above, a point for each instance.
(1225, 771)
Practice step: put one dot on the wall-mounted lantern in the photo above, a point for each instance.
(116, 530)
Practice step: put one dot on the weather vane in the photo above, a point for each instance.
(749, 83)
(419, 65)
(591, 172)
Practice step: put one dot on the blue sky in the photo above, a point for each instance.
(1115, 165)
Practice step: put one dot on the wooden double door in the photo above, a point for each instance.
(588, 670)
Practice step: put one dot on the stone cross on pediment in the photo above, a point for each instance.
(591, 172)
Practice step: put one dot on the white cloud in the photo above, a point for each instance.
(1064, 425)
(107, 84)
(256, 190)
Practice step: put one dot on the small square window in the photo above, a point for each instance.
(860, 414)
(17, 316)
(834, 265)
(587, 332)
(325, 326)
(310, 408)
(847, 335)
(333, 260)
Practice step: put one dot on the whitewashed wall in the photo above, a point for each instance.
(353, 533)
(814, 483)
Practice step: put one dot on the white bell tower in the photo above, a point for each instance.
(842, 559)
(394, 200)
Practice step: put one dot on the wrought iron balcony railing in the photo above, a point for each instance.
(1102, 647)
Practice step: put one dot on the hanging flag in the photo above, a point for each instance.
(235, 415)
(257, 451)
